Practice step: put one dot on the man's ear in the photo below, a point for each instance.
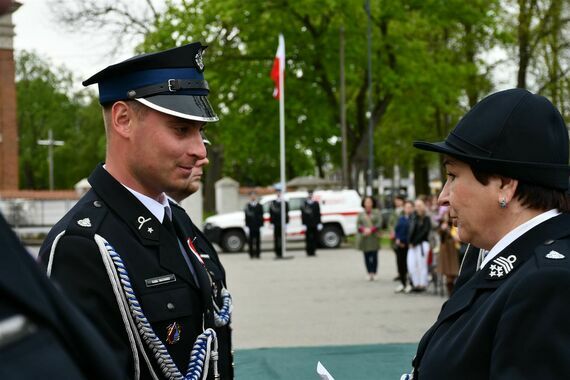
(121, 119)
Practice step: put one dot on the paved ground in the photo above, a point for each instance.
(289, 314)
(322, 301)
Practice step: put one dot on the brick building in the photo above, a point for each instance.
(8, 124)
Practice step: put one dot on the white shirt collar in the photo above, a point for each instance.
(518, 232)
(155, 208)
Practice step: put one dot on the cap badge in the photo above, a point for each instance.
(553, 255)
(198, 60)
(173, 332)
(85, 222)
(501, 266)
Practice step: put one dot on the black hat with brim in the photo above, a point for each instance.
(513, 133)
(169, 81)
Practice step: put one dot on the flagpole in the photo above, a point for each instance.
(282, 147)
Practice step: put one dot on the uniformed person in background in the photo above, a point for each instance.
(275, 219)
(118, 253)
(311, 218)
(42, 335)
(507, 178)
(209, 256)
(253, 221)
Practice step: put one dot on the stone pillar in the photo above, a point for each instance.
(9, 178)
(227, 195)
(194, 207)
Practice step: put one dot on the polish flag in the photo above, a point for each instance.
(278, 66)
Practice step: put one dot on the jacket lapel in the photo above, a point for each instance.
(144, 225)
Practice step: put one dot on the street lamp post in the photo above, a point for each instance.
(369, 113)
(50, 143)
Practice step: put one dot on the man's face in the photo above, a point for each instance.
(168, 152)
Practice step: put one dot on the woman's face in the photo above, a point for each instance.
(473, 207)
(420, 207)
(368, 204)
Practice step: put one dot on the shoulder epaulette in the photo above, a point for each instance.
(554, 253)
(86, 221)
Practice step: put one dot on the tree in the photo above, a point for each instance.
(44, 103)
(427, 61)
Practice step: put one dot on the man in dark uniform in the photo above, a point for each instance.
(506, 189)
(118, 253)
(42, 335)
(198, 243)
(253, 221)
(311, 218)
(275, 219)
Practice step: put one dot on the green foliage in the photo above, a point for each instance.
(424, 65)
(45, 103)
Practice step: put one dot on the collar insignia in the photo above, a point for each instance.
(85, 222)
(502, 266)
(553, 255)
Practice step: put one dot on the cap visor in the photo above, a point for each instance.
(439, 147)
(184, 106)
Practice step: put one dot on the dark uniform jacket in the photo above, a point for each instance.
(420, 227)
(42, 335)
(507, 323)
(254, 216)
(310, 213)
(218, 276)
(275, 212)
(160, 276)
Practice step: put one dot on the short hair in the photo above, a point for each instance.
(139, 109)
(374, 203)
(531, 195)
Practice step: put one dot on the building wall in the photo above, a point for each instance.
(9, 179)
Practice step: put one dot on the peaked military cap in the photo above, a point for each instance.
(514, 133)
(170, 81)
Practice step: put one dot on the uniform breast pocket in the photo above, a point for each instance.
(172, 303)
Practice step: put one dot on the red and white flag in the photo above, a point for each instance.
(278, 66)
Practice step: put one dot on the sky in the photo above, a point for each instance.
(36, 30)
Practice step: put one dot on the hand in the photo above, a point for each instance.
(319, 226)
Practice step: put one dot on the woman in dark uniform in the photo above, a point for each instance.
(507, 177)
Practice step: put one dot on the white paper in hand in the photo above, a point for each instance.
(323, 373)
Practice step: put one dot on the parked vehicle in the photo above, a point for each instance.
(339, 210)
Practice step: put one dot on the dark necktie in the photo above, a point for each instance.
(167, 223)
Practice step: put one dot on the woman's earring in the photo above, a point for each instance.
(503, 203)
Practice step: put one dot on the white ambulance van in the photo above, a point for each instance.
(339, 210)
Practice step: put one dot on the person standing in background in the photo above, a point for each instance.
(275, 219)
(401, 245)
(311, 218)
(418, 251)
(211, 260)
(448, 260)
(395, 215)
(369, 224)
(253, 221)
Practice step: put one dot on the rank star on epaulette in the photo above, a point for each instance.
(501, 266)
